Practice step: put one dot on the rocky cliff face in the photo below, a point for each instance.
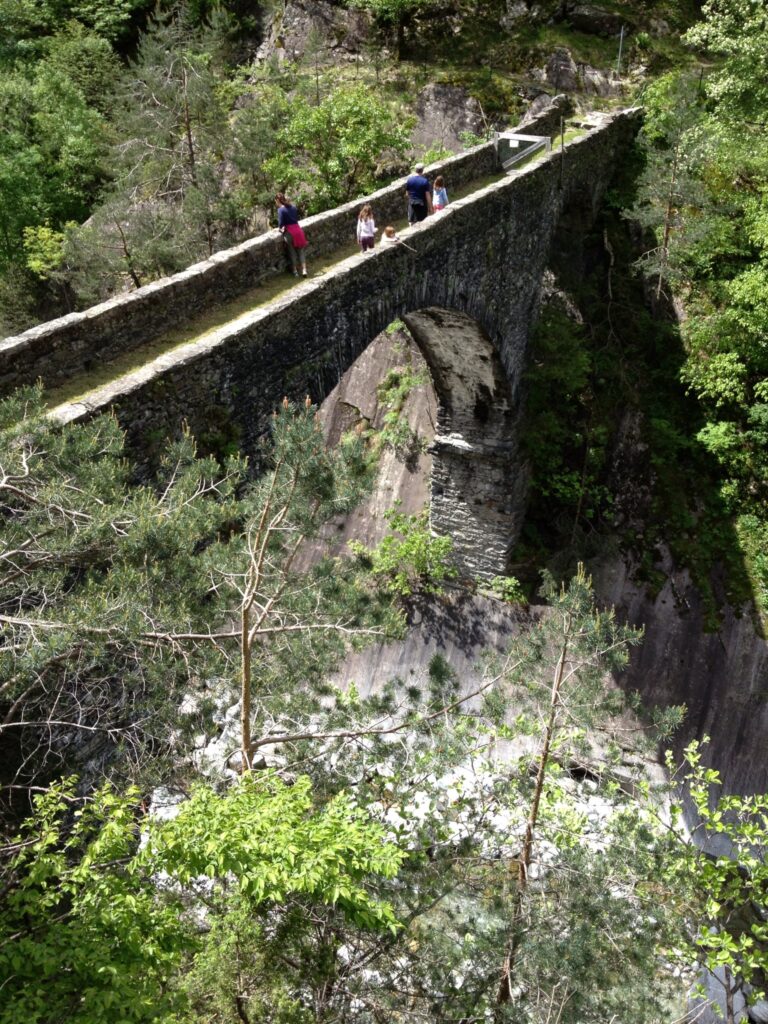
(721, 677)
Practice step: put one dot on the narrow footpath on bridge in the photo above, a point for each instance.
(228, 312)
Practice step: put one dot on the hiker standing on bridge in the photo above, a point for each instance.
(419, 193)
(440, 200)
(293, 236)
(366, 229)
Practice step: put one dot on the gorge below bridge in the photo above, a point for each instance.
(218, 346)
(466, 282)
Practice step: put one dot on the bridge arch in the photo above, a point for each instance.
(466, 281)
(477, 476)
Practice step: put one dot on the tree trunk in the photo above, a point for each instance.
(400, 38)
(667, 224)
(188, 130)
(128, 258)
(245, 691)
(730, 988)
(504, 991)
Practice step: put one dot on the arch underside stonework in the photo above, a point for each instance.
(478, 479)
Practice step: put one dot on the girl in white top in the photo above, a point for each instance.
(366, 229)
(389, 237)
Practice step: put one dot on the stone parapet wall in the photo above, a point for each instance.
(61, 349)
(484, 255)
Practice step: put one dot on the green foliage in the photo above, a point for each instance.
(43, 249)
(27, 20)
(508, 589)
(327, 153)
(737, 31)
(84, 935)
(720, 876)
(51, 153)
(395, 15)
(302, 889)
(393, 392)
(564, 440)
(166, 207)
(410, 558)
(433, 154)
(270, 840)
(703, 194)
(393, 11)
(87, 933)
(470, 139)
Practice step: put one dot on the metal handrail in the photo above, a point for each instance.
(527, 144)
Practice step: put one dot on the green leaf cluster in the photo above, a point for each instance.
(96, 926)
(328, 152)
(410, 558)
(719, 876)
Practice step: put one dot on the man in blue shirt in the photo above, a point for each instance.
(419, 193)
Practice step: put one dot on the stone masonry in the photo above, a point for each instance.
(467, 285)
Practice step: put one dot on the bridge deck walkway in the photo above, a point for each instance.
(227, 313)
(196, 328)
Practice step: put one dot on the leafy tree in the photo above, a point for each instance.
(181, 117)
(414, 760)
(292, 625)
(709, 147)
(50, 154)
(173, 128)
(87, 930)
(588, 941)
(83, 936)
(736, 30)
(88, 61)
(586, 644)
(327, 153)
(256, 125)
(718, 874)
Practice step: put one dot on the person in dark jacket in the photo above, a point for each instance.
(419, 192)
(293, 236)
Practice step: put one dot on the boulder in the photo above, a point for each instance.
(599, 83)
(594, 20)
(443, 112)
(544, 114)
(517, 11)
(561, 71)
(537, 106)
(659, 27)
(758, 1012)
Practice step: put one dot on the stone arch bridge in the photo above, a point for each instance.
(467, 286)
